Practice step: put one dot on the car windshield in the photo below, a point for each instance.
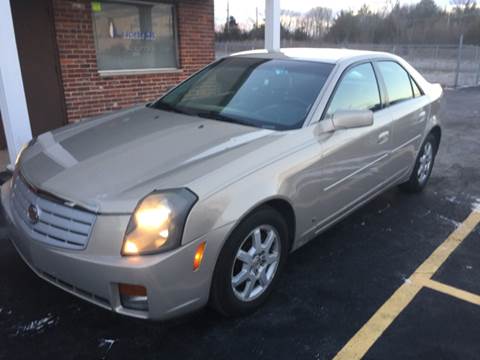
(266, 93)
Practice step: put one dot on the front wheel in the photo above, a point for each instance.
(250, 263)
(423, 166)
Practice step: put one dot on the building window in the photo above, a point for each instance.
(134, 36)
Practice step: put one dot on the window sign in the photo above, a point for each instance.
(96, 6)
(134, 36)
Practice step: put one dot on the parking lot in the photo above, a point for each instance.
(398, 279)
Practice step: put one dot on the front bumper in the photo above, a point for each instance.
(93, 274)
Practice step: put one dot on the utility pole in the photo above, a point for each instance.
(256, 18)
(227, 24)
(459, 60)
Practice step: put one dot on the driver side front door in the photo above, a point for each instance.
(354, 164)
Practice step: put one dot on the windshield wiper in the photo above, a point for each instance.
(161, 105)
(217, 116)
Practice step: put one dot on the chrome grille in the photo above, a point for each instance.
(50, 222)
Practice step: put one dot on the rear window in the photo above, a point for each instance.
(397, 81)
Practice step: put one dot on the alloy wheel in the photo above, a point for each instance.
(425, 163)
(256, 263)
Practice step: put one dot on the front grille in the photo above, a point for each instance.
(49, 221)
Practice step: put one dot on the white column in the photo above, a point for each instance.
(272, 25)
(13, 104)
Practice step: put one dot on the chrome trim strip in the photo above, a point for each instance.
(347, 209)
(405, 143)
(53, 198)
(372, 163)
(55, 224)
(356, 172)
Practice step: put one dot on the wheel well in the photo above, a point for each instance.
(437, 132)
(286, 210)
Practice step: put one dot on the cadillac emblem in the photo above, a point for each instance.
(33, 214)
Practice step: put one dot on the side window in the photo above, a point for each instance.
(397, 81)
(357, 90)
(416, 90)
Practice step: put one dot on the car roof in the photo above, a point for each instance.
(325, 55)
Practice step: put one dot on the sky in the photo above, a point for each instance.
(244, 10)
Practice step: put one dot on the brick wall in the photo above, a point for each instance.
(87, 93)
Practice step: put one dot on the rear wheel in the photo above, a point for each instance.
(423, 166)
(250, 263)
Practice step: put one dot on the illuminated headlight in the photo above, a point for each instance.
(158, 221)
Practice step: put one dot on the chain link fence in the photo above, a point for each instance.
(449, 65)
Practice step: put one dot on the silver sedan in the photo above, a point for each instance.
(200, 196)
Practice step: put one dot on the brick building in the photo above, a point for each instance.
(80, 58)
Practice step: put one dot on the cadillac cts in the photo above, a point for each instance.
(200, 196)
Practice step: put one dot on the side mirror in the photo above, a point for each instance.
(349, 119)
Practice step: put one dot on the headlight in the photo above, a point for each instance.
(158, 221)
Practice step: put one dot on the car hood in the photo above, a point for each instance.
(107, 164)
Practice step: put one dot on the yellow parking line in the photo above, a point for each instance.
(452, 291)
(363, 340)
(438, 257)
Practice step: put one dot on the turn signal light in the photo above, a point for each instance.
(197, 259)
(132, 290)
(133, 297)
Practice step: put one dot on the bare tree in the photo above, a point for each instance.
(290, 19)
(464, 3)
(318, 21)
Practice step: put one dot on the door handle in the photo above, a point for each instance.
(422, 116)
(383, 137)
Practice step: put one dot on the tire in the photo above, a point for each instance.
(256, 269)
(423, 166)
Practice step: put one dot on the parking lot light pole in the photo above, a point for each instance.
(459, 60)
(272, 25)
(13, 103)
(477, 77)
